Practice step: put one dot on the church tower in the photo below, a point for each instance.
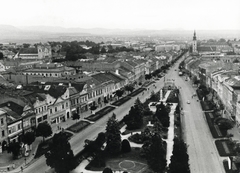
(194, 43)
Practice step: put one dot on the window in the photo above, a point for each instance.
(2, 121)
(62, 106)
(77, 101)
(44, 117)
(66, 104)
(19, 126)
(39, 110)
(50, 111)
(9, 131)
(55, 109)
(36, 111)
(3, 133)
(39, 119)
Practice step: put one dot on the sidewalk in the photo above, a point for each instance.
(14, 166)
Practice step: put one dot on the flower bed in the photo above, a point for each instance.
(99, 114)
(225, 148)
(78, 126)
(216, 132)
(173, 97)
(121, 101)
(136, 92)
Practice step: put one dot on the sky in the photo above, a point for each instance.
(123, 14)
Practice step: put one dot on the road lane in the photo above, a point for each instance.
(203, 155)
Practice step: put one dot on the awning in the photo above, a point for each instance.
(73, 109)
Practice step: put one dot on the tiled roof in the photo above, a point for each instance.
(131, 63)
(11, 106)
(206, 48)
(101, 77)
(28, 50)
(53, 90)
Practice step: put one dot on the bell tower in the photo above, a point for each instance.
(194, 43)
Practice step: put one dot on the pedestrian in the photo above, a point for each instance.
(13, 165)
(21, 169)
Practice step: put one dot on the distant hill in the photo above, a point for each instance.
(10, 33)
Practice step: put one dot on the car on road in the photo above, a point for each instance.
(188, 102)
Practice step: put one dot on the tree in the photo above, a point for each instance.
(126, 146)
(1, 55)
(156, 154)
(134, 119)
(26, 45)
(129, 88)
(60, 156)
(44, 130)
(75, 116)
(103, 50)
(179, 159)
(15, 149)
(28, 138)
(107, 170)
(119, 93)
(148, 76)
(225, 124)
(163, 115)
(113, 136)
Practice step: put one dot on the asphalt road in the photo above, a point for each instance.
(203, 156)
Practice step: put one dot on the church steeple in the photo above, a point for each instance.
(194, 35)
(194, 43)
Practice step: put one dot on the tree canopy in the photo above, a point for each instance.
(179, 159)
(60, 156)
(113, 136)
(44, 130)
(28, 138)
(134, 119)
(75, 116)
(162, 114)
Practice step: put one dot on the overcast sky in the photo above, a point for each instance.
(123, 14)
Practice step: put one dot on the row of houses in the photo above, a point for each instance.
(224, 78)
(23, 109)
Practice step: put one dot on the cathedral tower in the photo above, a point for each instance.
(194, 43)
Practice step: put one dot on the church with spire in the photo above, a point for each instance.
(194, 43)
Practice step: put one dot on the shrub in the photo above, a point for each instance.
(126, 146)
(137, 138)
(107, 170)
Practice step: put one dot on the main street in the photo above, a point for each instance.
(203, 156)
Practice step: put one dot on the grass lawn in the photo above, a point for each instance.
(216, 132)
(121, 101)
(78, 126)
(99, 114)
(224, 148)
(225, 165)
(131, 161)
